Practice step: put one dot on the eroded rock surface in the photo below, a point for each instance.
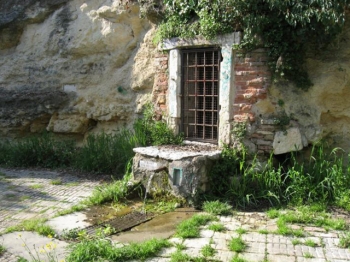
(95, 54)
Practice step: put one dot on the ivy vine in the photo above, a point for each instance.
(287, 28)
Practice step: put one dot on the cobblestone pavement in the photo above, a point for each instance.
(27, 194)
(262, 245)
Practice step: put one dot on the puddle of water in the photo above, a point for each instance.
(161, 226)
(98, 214)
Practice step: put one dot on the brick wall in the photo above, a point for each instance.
(160, 87)
(252, 78)
(251, 81)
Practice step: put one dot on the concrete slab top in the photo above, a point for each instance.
(178, 152)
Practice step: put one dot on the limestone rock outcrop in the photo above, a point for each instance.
(94, 57)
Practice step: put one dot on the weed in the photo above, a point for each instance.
(35, 225)
(208, 251)
(344, 241)
(238, 259)
(47, 250)
(36, 186)
(178, 256)
(217, 208)
(180, 246)
(296, 241)
(75, 208)
(56, 182)
(110, 192)
(41, 150)
(217, 227)
(190, 228)
(308, 255)
(273, 213)
(23, 198)
(237, 245)
(71, 184)
(241, 231)
(101, 250)
(2, 249)
(263, 231)
(310, 243)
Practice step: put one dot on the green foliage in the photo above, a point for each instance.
(2, 250)
(217, 227)
(318, 178)
(217, 208)
(104, 250)
(237, 245)
(152, 132)
(344, 240)
(190, 228)
(107, 153)
(286, 28)
(111, 192)
(208, 251)
(35, 225)
(40, 150)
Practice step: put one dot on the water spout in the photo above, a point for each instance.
(148, 187)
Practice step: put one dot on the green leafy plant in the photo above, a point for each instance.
(217, 208)
(237, 245)
(310, 243)
(217, 227)
(344, 240)
(286, 28)
(101, 249)
(35, 225)
(208, 251)
(241, 231)
(2, 250)
(191, 228)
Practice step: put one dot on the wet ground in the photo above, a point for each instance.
(27, 194)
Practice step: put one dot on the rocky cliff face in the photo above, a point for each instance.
(72, 66)
(82, 66)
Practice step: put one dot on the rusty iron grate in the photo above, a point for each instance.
(121, 223)
(200, 94)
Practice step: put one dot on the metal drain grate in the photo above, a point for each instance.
(121, 223)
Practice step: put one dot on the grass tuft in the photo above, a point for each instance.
(237, 245)
(191, 228)
(102, 250)
(217, 227)
(35, 225)
(217, 208)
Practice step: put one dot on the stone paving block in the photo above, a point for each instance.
(225, 219)
(302, 251)
(196, 242)
(330, 242)
(193, 252)
(272, 238)
(224, 256)
(220, 244)
(280, 258)
(324, 235)
(252, 256)
(166, 252)
(254, 237)
(231, 234)
(256, 247)
(234, 225)
(304, 259)
(280, 249)
(206, 233)
(337, 253)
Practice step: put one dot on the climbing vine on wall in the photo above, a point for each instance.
(287, 28)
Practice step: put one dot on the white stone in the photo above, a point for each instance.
(287, 141)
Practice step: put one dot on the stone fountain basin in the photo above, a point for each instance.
(179, 170)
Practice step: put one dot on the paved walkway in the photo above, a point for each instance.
(33, 194)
